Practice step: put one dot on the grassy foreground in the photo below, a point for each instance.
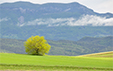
(55, 63)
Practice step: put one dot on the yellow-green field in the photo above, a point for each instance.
(91, 62)
(103, 54)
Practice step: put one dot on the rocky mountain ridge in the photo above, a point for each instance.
(55, 21)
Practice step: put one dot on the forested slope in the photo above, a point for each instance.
(85, 45)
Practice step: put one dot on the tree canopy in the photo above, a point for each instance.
(36, 45)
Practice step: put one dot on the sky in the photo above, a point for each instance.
(100, 6)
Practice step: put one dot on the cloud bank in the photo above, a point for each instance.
(85, 20)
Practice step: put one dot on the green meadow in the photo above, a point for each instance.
(11, 61)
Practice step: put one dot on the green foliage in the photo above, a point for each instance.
(36, 45)
(86, 45)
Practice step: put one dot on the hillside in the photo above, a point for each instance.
(11, 61)
(85, 45)
(49, 10)
(11, 46)
(73, 33)
(101, 54)
(55, 21)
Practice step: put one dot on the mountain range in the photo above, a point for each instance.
(55, 21)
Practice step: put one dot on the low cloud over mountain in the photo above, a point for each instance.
(85, 20)
(55, 21)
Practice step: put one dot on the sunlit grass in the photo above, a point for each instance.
(103, 54)
(66, 63)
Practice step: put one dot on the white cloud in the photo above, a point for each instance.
(3, 19)
(93, 20)
(82, 21)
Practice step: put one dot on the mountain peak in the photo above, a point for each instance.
(18, 2)
(24, 18)
(29, 11)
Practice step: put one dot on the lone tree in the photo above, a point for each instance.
(36, 45)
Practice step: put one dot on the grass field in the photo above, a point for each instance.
(91, 62)
(103, 54)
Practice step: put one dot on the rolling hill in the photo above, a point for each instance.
(101, 54)
(86, 45)
(11, 61)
